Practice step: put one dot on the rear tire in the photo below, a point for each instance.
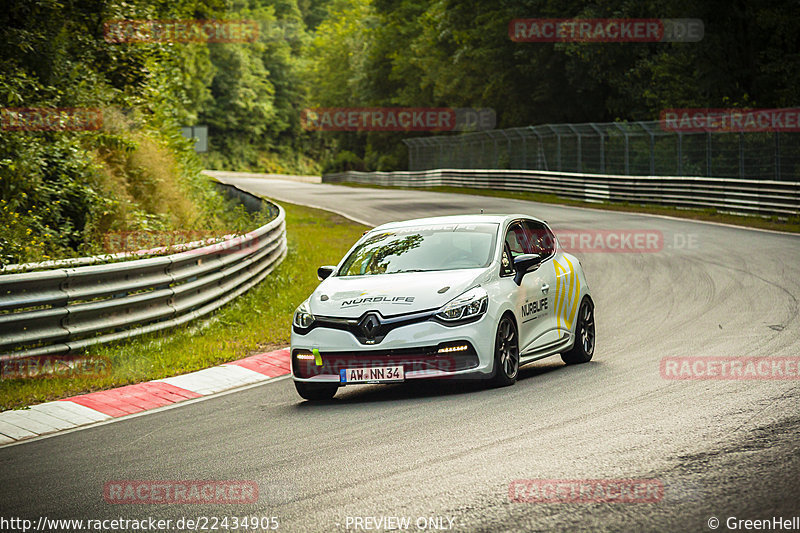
(316, 391)
(583, 349)
(506, 353)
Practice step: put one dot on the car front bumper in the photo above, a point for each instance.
(425, 350)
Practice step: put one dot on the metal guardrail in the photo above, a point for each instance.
(65, 310)
(752, 197)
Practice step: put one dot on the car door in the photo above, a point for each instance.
(532, 299)
(539, 309)
(564, 284)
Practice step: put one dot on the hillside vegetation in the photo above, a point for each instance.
(61, 191)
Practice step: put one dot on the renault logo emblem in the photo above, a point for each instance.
(369, 325)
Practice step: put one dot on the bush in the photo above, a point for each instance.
(344, 160)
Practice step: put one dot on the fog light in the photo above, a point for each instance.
(305, 356)
(450, 349)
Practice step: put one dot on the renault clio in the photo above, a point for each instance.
(459, 296)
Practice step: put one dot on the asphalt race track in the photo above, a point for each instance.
(721, 448)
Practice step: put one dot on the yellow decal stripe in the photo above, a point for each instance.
(317, 357)
(570, 280)
(559, 299)
(573, 303)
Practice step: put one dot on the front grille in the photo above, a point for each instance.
(412, 359)
(364, 336)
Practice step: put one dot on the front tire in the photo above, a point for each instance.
(316, 391)
(583, 349)
(506, 353)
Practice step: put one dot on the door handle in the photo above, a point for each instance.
(545, 288)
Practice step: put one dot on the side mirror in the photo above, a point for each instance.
(324, 272)
(525, 263)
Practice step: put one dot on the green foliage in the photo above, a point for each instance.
(458, 54)
(61, 190)
(344, 160)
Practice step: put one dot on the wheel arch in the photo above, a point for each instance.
(510, 313)
(584, 298)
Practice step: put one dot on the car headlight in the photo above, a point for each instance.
(303, 317)
(471, 304)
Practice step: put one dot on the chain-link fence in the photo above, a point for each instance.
(625, 148)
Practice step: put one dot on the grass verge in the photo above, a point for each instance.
(256, 321)
(791, 224)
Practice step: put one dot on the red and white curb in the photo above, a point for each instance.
(69, 413)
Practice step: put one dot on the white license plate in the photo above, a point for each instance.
(378, 374)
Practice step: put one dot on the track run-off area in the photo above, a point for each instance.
(454, 453)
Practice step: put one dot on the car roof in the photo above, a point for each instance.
(456, 219)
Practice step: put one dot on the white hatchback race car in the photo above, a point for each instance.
(472, 296)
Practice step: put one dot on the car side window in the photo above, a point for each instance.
(514, 245)
(516, 241)
(541, 239)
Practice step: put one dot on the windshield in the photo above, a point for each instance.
(423, 249)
